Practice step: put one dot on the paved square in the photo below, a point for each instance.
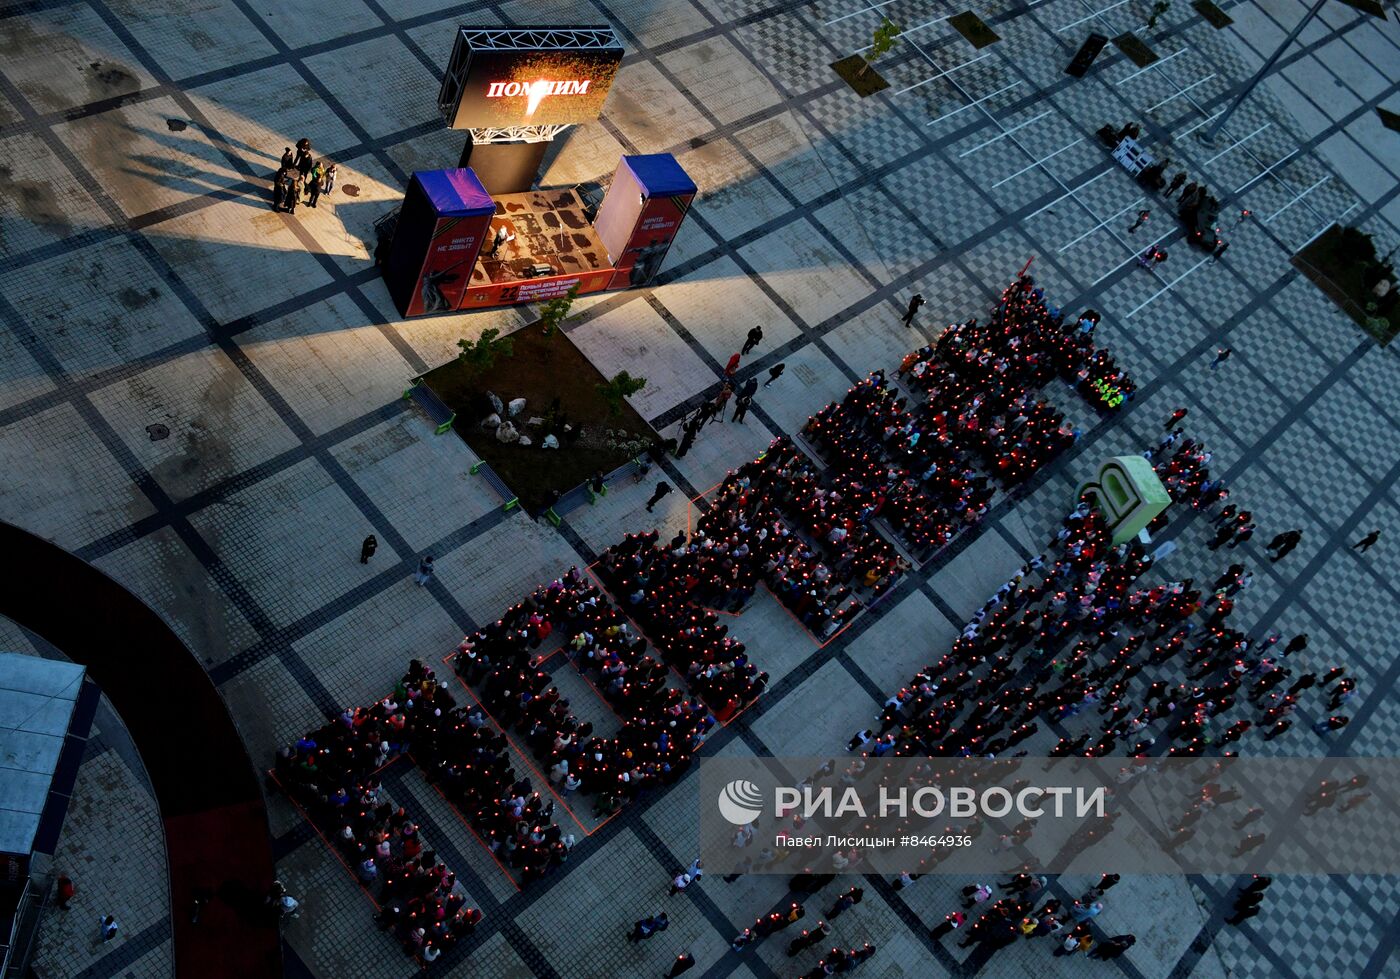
(203, 398)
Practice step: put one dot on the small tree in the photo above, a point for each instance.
(882, 42)
(478, 357)
(554, 312)
(616, 391)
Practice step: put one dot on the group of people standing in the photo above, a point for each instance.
(661, 727)
(333, 773)
(300, 176)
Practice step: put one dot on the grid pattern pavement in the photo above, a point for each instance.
(143, 280)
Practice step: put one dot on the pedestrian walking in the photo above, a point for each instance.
(774, 372)
(1284, 543)
(976, 894)
(1106, 881)
(1250, 842)
(679, 883)
(289, 159)
(1083, 912)
(425, 571)
(1221, 355)
(741, 407)
(684, 963)
(1243, 534)
(1222, 536)
(732, 366)
(1367, 542)
(752, 340)
(1175, 417)
(278, 188)
(1220, 250)
(1334, 723)
(662, 488)
(108, 927)
(1111, 948)
(1152, 257)
(808, 938)
(1177, 181)
(1243, 915)
(289, 190)
(846, 901)
(313, 186)
(952, 921)
(914, 304)
(687, 440)
(328, 179)
(1141, 220)
(368, 548)
(1245, 215)
(66, 890)
(648, 926)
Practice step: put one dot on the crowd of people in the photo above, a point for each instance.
(672, 593)
(809, 538)
(998, 923)
(897, 464)
(1077, 628)
(301, 177)
(332, 772)
(661, 727)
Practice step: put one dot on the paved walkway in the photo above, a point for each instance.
(144, 281)
(114, 853)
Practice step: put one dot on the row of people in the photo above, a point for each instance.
(332, 773)
(661, 727)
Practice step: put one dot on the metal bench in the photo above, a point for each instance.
(438, 413)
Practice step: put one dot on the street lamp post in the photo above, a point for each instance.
(1210, 134)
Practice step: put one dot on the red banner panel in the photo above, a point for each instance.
(445, 217)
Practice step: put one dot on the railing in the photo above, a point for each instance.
(19, 944)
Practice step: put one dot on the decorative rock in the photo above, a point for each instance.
(525, 440)
(534, 420)
(507, 433)
(496, 405)
(515, 407)
(491, 421)
(550, 442)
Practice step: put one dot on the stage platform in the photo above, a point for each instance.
(550, 229)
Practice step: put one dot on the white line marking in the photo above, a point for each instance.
(1167, 288)
(1260, 176)
(1295, 200)
(949, 115)
(1237, 144)
(863, 10)
(1112, 217)
(1096, 13)
(1155, 64)
(1004, 134)
(1038, 162)
(943, 74)
(1179, 94)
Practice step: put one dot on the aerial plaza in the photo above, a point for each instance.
(700, 487)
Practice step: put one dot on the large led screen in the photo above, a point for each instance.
(529, 77)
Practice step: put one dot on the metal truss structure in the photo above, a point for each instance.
(532, 38)
(517, 134)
